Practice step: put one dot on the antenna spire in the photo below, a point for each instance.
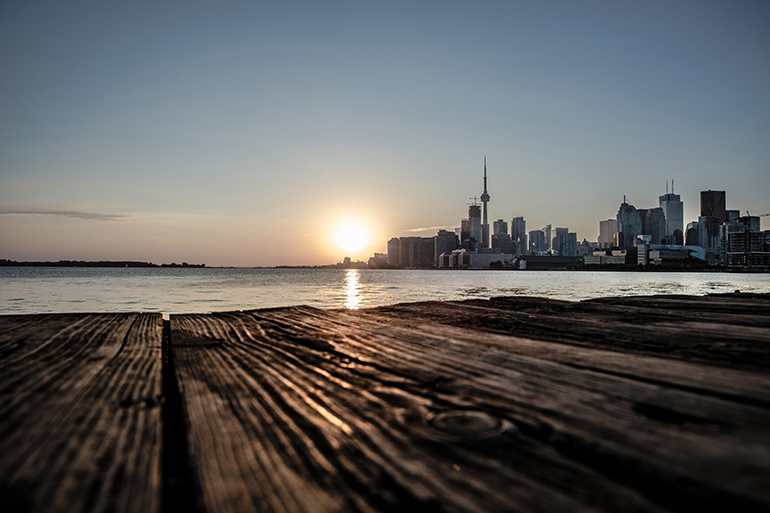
(485, 175)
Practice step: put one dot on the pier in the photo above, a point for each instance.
(657, 403)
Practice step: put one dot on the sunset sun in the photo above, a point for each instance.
(352, 237)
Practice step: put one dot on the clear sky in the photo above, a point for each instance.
(246, 133)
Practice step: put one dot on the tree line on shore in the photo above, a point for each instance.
(81, 263)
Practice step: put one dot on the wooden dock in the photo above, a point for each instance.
(510, 404)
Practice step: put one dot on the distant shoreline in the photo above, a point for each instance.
(185, 265)
(83, 263)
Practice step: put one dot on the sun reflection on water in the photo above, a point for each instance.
(352, 289)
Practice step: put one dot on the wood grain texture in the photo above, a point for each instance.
(79, 412)
(405, 408)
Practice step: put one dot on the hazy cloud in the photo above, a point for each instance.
(431, 228)
(92, 216)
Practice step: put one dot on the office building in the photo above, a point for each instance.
(556, 243)
(499, 226)
(607, 231)
(547, 232)
(519, 235)
(567, 243)
(712, 204)
(474, 219)
(394, 252)
(443, 242)
(629, 225)
(673, 210)
(502, 241)
(655, 225)
(537, 241)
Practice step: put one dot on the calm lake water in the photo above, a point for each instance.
(57, 289)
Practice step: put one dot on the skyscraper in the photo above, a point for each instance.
(519, 235)
(629, 225)
(713, 212)
(655, 225)
(547, 231)
(499, 227)
(607, 231)
(556, 243)
(394, 251)
(673, 209)
(537, 241)
(484, 200)
(474, 218)
(567, 243)
(712, 203)
(443, 242)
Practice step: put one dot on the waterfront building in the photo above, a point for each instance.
(607, 230)
(743, 245)
(394, 251)
(443, 242)
(586, 248)
(629, 225)
(537, 241)
(378, 261)
(502, 241)
(464, 259)
(407, 249)
(642, 249)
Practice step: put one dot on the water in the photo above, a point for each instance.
(169, 290)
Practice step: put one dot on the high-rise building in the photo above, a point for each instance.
(443, 242)
(556, 243)
(713, 212)
(629, 225)
(394, 251)
(502, 241)
(519, 235)
(416, 252)
(607, 231)
(499, 226)
(547, 232)
(712, 203)
(692, 236)
(568, 245)
(484, 200)
(673, 210)
(655, 225)
(474, 219)
(465, 229)
(537, 240)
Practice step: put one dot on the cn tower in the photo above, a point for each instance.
(484, 201)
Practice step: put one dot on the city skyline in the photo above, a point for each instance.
(253, 134)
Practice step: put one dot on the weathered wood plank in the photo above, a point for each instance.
(298, 409)
(726, 330)
(79, 412)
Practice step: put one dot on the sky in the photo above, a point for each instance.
(248, 133)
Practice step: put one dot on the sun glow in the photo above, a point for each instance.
(352, 237)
